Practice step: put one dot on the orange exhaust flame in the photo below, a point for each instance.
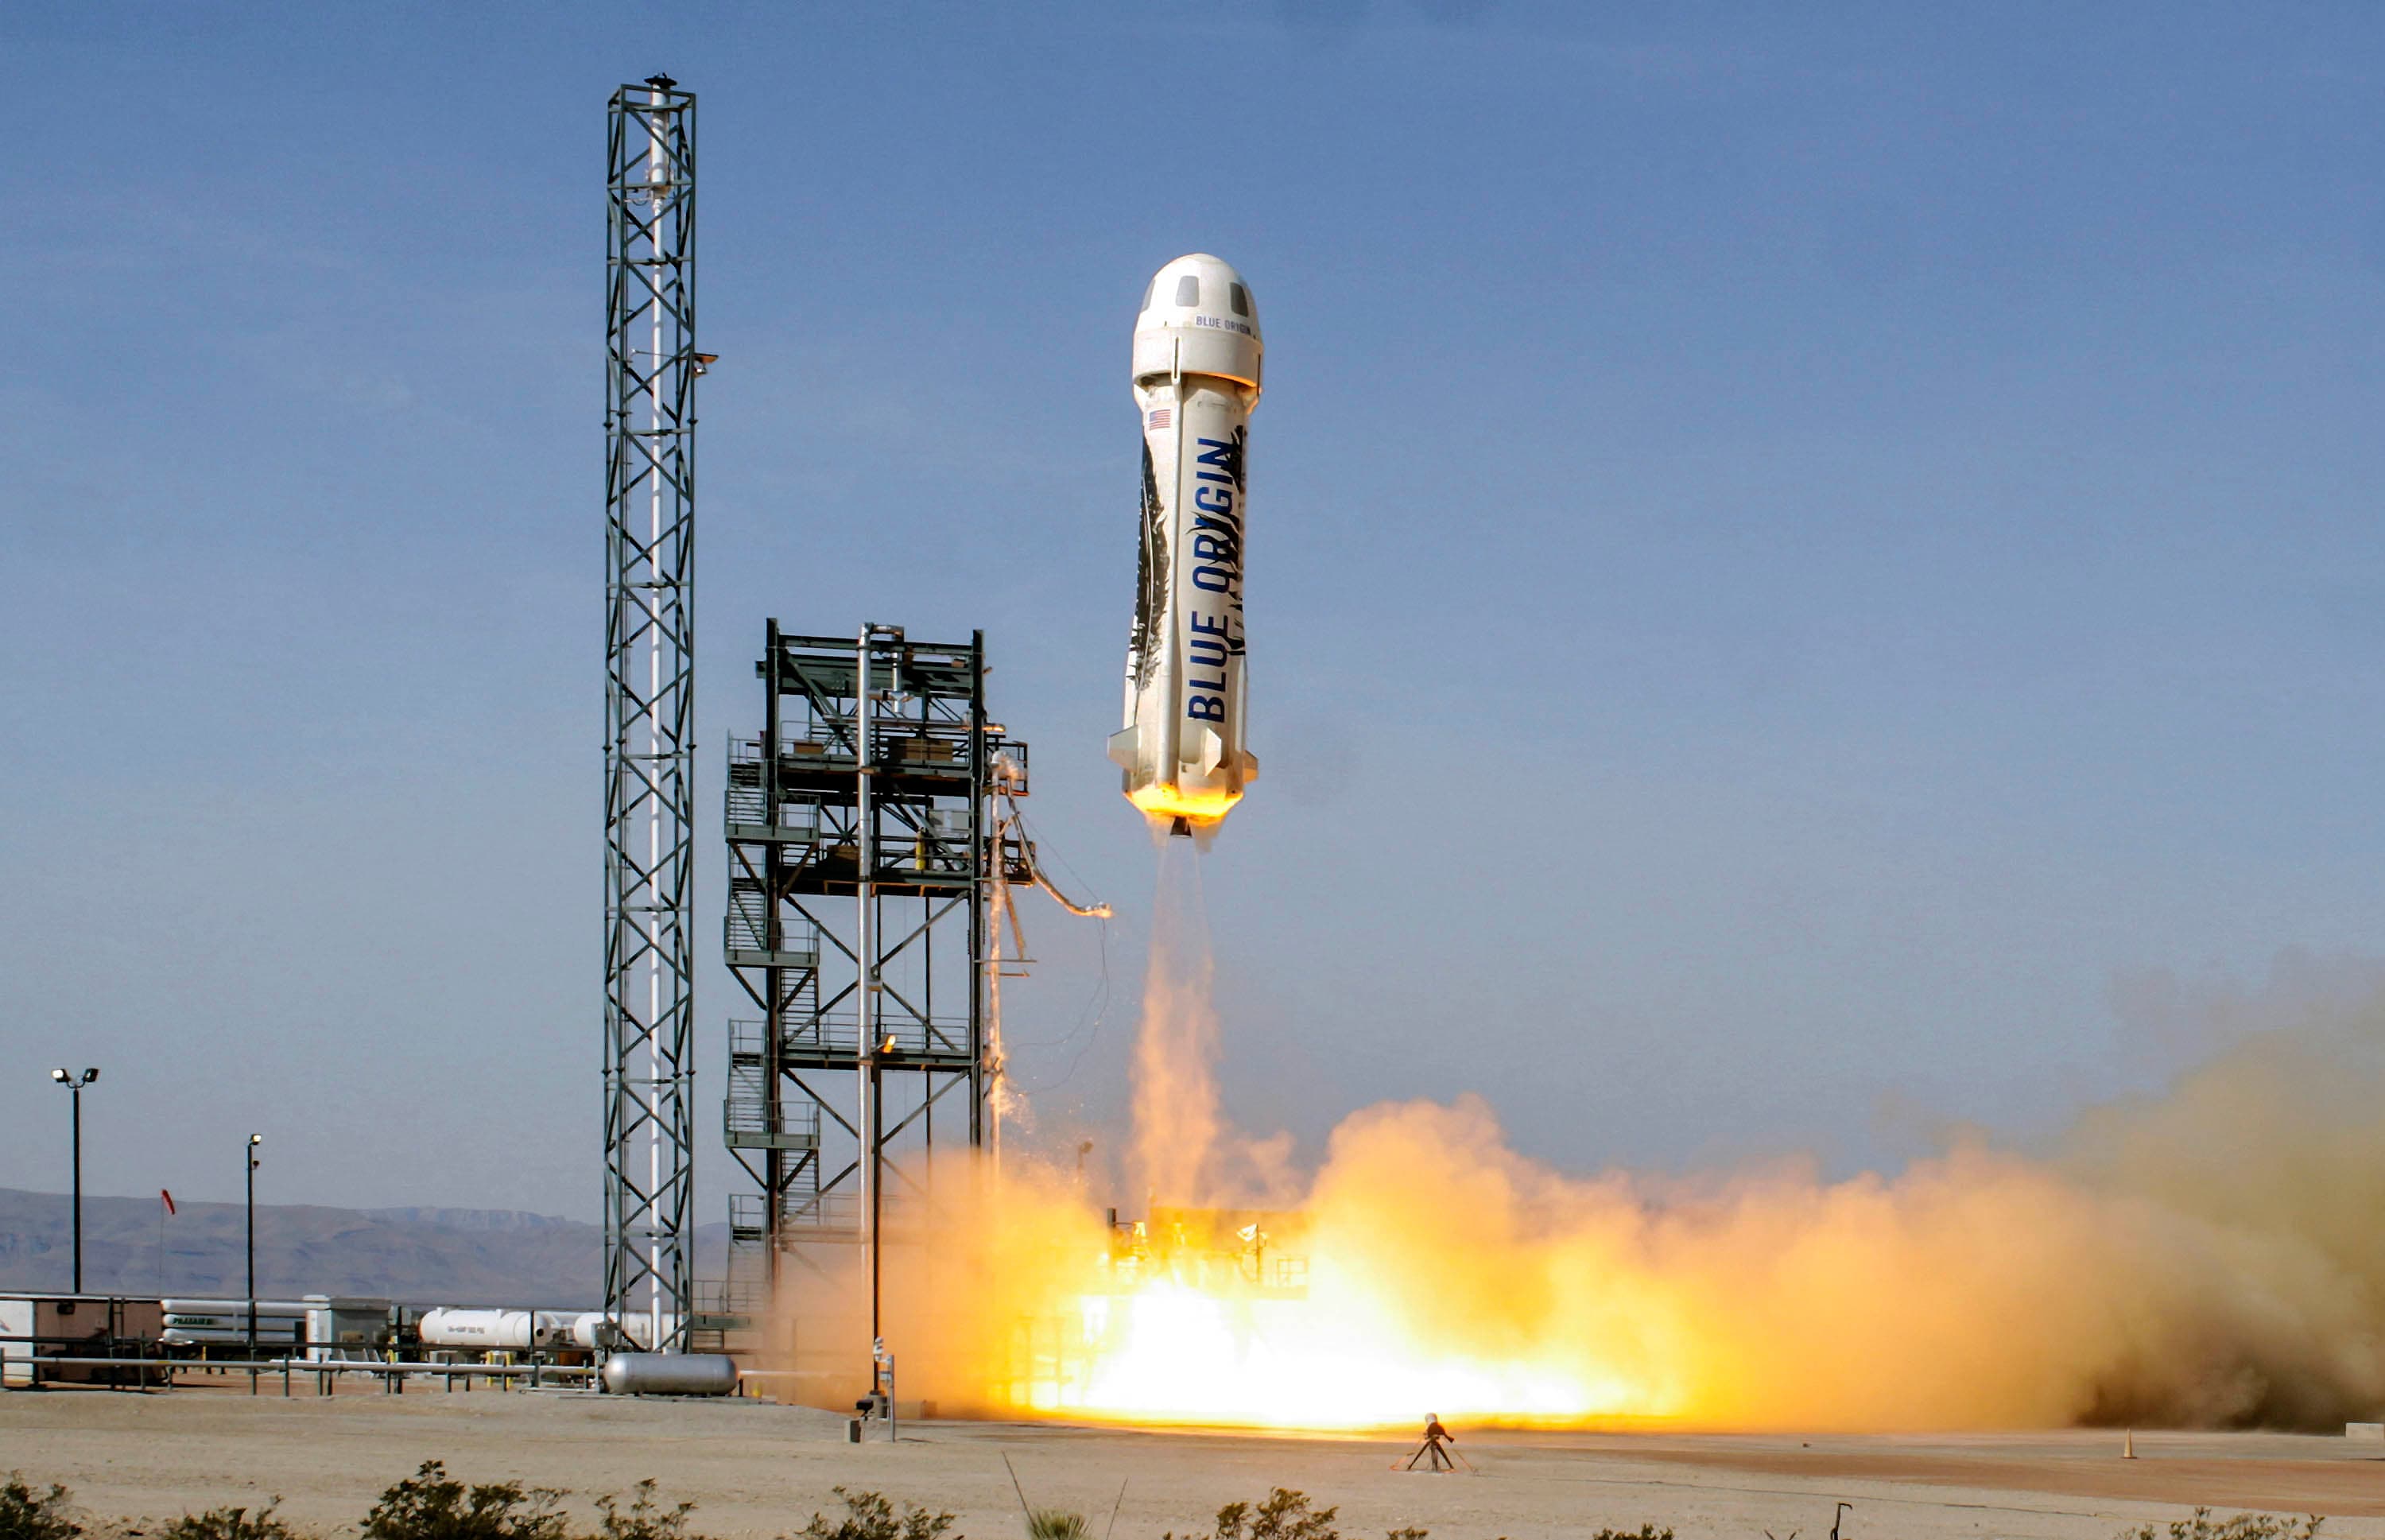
(2211, 1258)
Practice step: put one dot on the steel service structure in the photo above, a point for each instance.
(868, 858)
(651, 369)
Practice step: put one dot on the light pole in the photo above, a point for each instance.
(250, 1156)
(75, 1084)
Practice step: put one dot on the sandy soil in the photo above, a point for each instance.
(760, 1469)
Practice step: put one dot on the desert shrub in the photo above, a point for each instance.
(1052, 1524)
(869, 1516)
(1407, 1535)
(2243, 1526)
(428, 1506)
(1646, 1532)
(230, 1523)
(644, 1519)
(1284, 1516)
(26, 1514)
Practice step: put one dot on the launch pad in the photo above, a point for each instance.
(1245, 1259)
(1261, 1252)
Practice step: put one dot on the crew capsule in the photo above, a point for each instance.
(1197, 357)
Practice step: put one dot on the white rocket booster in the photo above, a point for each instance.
(1196, 377)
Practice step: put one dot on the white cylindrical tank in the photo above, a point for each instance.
(1197, 357)
(220, 1323)
(490, 1330)
(671, 1374)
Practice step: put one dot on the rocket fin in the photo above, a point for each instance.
(1213, 750)
(1122, 747)
(1250, 766)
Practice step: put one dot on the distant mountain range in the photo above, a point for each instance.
(422, 1255)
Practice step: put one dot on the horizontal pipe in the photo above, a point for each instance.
(318, 1366)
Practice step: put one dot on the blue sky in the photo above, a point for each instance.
(1798, 566)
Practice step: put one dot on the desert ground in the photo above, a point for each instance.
(756, 1468)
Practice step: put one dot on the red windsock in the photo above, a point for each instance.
(169, 1199)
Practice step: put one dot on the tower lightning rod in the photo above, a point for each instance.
(651, 367)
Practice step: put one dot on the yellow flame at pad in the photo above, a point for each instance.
(1171, 1352)
(2180, 1261)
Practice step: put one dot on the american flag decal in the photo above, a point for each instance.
(1158, 417)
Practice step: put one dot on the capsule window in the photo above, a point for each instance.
(1148, 290)
(1188, 292)
(1240, 298)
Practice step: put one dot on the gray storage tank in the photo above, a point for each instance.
(671, 1374)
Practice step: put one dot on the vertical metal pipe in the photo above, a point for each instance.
(248, 1155)
(774, 1160)
(987, 899)
(866, 956)
(76, 1089)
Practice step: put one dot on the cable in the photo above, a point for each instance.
(1035, 871)
(1101, 997)
(1098, 1006)
(1082, 911)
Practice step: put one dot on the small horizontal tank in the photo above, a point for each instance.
(671, 1374)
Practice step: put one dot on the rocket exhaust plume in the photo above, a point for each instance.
(2209, 1258)
(1175, 1119)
